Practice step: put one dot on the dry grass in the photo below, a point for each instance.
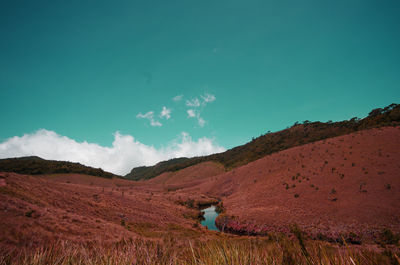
(242, 251)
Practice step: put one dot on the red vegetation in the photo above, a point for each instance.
(347, 184)
(38, 210)
(344, 186)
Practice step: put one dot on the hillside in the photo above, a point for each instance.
(40, 210)
(340, 187)
(269, 143)
(34, 165)
(343, 186)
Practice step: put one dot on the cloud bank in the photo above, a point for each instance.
(124, 154)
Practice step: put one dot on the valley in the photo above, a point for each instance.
(340, 193)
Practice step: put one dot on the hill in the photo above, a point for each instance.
(39, 210)
(34, 165)
(297, 135)
(346, 186)
(336, 189)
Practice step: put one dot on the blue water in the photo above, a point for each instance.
(209, 218)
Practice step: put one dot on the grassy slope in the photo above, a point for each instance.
(269, 143)
(85, 214)
(39, 210)
(347, 184)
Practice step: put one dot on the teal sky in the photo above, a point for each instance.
(86, 69)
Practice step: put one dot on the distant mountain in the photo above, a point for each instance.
(298, 134)
(34, 165)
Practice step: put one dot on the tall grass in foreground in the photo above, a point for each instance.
(221, 251)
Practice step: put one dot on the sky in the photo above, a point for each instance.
(119, 84)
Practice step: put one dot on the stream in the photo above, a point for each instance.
(210, 214)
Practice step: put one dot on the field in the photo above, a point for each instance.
(335, 201)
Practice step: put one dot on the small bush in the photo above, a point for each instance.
(388, 237)
(29, 213)
(190, 203)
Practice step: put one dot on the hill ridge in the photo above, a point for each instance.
(34, 165)
(296, 135)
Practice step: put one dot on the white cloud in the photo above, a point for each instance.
(177, 98)
(208, 98)
(155, 123)
(124, 154)
(193, 103)
(191, 113)
(196, 114)
(150, 116)
(201, 121)
(165, 113)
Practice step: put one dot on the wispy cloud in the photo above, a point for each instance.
(165, 113)
(124, 154)
(199, 105)
(207, 98)
(194, 108)
(150, 116)
(196, 114)
(191, 113)
(177, 98)
(193, 103)
(201, 121)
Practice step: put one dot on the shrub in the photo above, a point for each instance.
(190, 203)
(388, 237)
(29, 213)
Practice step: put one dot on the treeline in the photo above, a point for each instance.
(34, 165)
(298, 134)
